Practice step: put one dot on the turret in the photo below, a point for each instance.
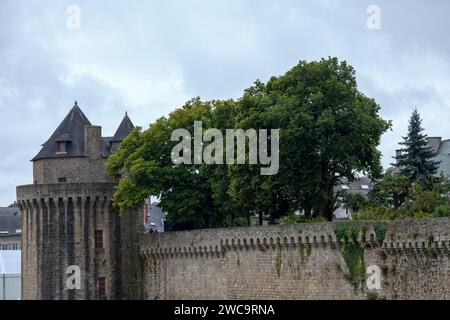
(70, 226)
(124, 129)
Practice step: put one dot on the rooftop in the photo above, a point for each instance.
(125, 127)
(71, 132)
(10, 222)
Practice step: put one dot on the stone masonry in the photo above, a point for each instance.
(68, 219)
(302, 261)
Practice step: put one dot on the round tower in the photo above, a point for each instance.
(75, 245)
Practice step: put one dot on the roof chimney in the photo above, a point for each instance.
(93, 141)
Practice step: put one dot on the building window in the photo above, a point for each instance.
(62, 180)
(365, 186)
(61, 147)
(98, 239)
(102, 287)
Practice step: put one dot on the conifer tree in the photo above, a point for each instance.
(415, 160)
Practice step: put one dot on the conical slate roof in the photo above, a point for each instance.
(70, 130)
(125, 127)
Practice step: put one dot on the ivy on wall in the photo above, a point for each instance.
(352, 251)
(278, 261)
(380, 231)
(353, 255)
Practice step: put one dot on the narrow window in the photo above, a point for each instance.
(102, 287)
(62, 180)
(98, 239)
(61, 147)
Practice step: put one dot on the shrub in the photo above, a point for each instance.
(422, 215)
(442, 211)
(290, 219)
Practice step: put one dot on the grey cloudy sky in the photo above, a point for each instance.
(149, 57)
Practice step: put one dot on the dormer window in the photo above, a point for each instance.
(62, 147)
(62, 143)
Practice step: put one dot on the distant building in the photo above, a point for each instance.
(10, 269)
(10, 228)
(154, 217)
(362, 186)
(441, 149)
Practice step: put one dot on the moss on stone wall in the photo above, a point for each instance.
(278, 261)
(353, 255)
(352, 250)
(380, 231)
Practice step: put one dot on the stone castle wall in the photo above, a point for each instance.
(58, 225)
(302, 261)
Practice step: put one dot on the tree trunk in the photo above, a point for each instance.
(327, 202)
(232, 219)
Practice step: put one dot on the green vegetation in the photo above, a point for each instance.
(305, 252)
(301, 252)
(328, 130)
(380, 231)
(415, 160)
(294, 218)
(354, 201)
(353, 255)
(352, 251)
(430, 239)
(372, 295)
(404, 199)
(349, 231)
(308, 249)
(278, 261)
(442, 211)
(412, 190)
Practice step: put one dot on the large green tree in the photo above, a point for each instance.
(194, 193)
(415, 160)
(328, 130)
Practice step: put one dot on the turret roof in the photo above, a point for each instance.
(71, 130)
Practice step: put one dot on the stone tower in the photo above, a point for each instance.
(69, 223)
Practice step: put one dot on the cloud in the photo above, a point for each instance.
(148, 57)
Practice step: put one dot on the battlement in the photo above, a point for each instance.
(299, 261)
(414, 235)
(94, 190)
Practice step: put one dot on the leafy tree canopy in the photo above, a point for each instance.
(328, 130)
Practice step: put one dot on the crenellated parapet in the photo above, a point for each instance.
(415, 236)
(300, 261)
(33, 193)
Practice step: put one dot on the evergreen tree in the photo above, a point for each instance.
(415, 160)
